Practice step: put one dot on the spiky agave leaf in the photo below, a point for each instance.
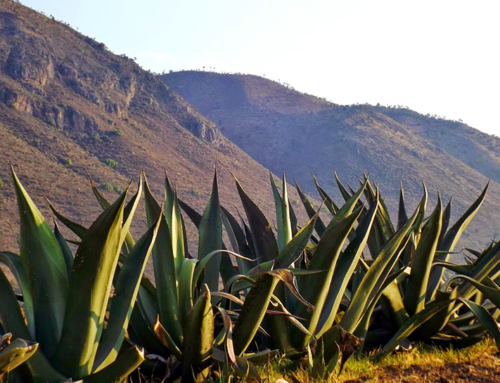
(44, 264)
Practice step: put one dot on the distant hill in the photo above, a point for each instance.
(300, 134)
(68, 105)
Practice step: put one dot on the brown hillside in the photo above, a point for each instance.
(301, 134)
(67, 105)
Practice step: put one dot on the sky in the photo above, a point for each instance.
(439, 57)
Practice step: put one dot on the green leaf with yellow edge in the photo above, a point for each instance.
(316, 287)
(311, 212)
(37, 368)
(120, 369)
(375, 275)
(198, 336)
(14, 353)
(175, 224)
(14, 263)
(65, 249)
(346, 265)
(421, 265)
(44, 264)
(210, 237)
(253, 312)
(126, 291)
(450, 240)
(90, 286)
(485, 318)
(164, 270)
(410, 326)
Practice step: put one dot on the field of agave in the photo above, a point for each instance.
(319, 291)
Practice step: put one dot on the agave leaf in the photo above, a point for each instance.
(126, 290)
(227, 338)
(186, 287)
(446, 223)
(120, 369)
(343, 191)
(253, 312)
(453, 235)
(210, 237)
(311, 212)
(14, 263)
(375, 276)
(11, 317)
(383, 221)
(293, 249)
(326, 198)
(199, 335)
(438, 322)
(481, 269)
(90, 285)
(338, 338)
(325, 258)
(166, 339)
(164, 270)
(238, 240)
(193, 215)
(491, 292)
(278, 203)
(201, 265)
(485, 318)
(76, 228)
(411, 325)
(175, 224)
(450, 240)
(247, 371)
(15, 353)
(44, 262)
(66, 251)
(286, 212)
(421, 266)
(262, 234)
(362, 328)
(141, 331)
(318, 362)
(346, 266)
(402, 215)
(349, 206)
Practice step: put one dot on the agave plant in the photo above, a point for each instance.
(13, 353)
(65, 299)
(178, 281)
(323, 271)
(417, 303)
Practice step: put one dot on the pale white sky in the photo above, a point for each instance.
(439, 57)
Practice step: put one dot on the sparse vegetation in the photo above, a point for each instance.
(68, 162)
(107, 186)
(111, 163)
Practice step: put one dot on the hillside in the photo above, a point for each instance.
(301, 134)
(68, 105)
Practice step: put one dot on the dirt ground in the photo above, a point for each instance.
(485, 369)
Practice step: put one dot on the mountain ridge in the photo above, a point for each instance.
(300, 134)
(68, 106)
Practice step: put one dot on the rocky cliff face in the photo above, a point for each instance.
(42, 60)
(68, 106)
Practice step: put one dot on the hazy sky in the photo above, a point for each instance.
(439, 57)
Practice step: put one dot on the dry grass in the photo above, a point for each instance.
(479, 363)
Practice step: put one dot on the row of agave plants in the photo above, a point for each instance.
(325, 290)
